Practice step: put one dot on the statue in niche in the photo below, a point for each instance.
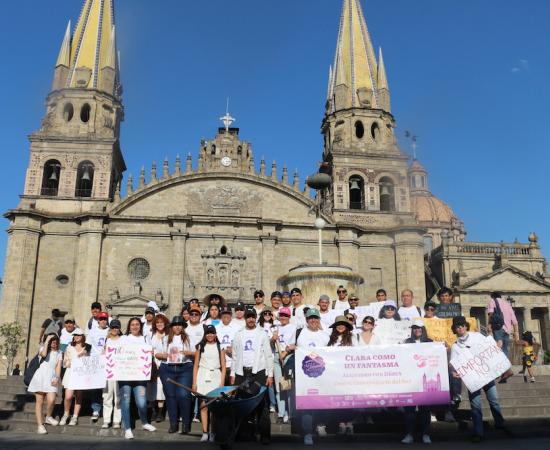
(223, 275)
(235, 278)
(210, 277)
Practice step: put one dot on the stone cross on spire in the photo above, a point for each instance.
(227, 119)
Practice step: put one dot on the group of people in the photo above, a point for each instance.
(212, 345)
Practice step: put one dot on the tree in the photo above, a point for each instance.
(10, 333)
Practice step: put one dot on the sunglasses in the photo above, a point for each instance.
(267, 314)
(370, 322)
(353, 299)
(258, 295)
(194, 314)
(350, 318)
(341, 292)
(430, 308)
(391, 308)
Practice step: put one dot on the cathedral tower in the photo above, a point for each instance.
(369, 171)
(75, 155)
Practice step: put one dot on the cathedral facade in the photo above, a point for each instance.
(220, 222)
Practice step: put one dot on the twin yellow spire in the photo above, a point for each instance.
(91, 48)
(357, 79)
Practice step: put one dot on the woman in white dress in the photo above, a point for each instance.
(208, 372)
(45, 382)
(77, 349)
(155, 392)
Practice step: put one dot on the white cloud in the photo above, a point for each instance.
(521, 66)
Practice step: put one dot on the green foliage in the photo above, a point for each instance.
(12, 340)
(546, 357)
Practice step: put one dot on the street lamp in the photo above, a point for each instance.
(319, 182)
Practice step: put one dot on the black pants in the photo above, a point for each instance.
(261, 413)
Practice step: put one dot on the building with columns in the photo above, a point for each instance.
(220, 222)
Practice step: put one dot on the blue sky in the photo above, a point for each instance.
(469, 77)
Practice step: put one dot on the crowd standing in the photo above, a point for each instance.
(211, 344)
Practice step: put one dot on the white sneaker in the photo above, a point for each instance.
(308, 439)
(41, 430)
(204, 437)
(106, 425)
(128, 434)
(116, 425)
(74, 421)
(51, 421)
(433, 418)
(285, 418)
(341, 428)
(148, 427)
(426, 439)
(196, 419)
(408, 439)
(449, 417)
(272, 409)
(64, 419)
(321, 430)
(95, 417)
(349, 428)
(212, 437)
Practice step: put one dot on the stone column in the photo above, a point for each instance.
(409, 264)
(267, 276)
(177, 276)
(348, 249)
(90, 240)
(19, 278)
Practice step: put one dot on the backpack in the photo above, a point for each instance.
(497, 319)
(31, 369)
(54, 326)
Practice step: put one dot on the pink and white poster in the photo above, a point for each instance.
(374, 376)
(128, 363)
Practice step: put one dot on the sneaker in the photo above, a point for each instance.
(74, 421)
(449, 417)
(41, 430)
(308, 439)
(148, 427)
(341, 428)
(349, 429)
(433, 418)
(116, 425)
(128, 434)
(204, 437)
(95, 417)
(321, 430)
(532, 379)
(285, 418)
(106, 425)
(408, 439)
(51, 421)
(272, 409)
(64, 419)
(212, 437)
(196, 419)
(426, 439)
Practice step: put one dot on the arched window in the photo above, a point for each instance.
(428, 243)
(84, 179)
(85, 112)
(50, 178)
(356, 192)
(213, 149)
(68, 112)
(359, 129)
(375, 131)
(387, 197)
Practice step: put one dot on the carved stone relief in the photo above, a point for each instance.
(221, 200)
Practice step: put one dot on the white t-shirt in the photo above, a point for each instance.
(308, 338)
(65, 339)
(239, 324)
(327, 318)
(130, 339)
(473, 338)
(96, 338)
(174, 350)
(341, 305)
(249, 336)
(195, 333)
(410, 312)
(226, 333)
(287, 335)
(147, 330)
(354, 342)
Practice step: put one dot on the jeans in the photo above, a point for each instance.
(309, 418)
(125, 389)
(178, 400)
(95, 397)
(477, 413)
(503, 336)
(279, 396)
(410, 419)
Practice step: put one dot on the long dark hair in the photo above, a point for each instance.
(200, 346)
(423, 336)
(262, 321)
(184, 336)
(346, 337)
(384, 308)
(208, 312)
(83, 342)
(140, 326)
(54, 338)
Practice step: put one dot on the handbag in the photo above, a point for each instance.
(285, 384)
(33, 366)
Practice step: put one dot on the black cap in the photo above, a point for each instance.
(250, 312)
(150, 309)
(430, 303)
(259, 292)
(276, 294)
(240, 306)
(209, 329)
(115, 323)
(178, 320)
(295, 291)
(459, 320)
(226, 310)
(95, 305)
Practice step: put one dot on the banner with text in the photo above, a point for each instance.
(372, 376)
(129, 362)
(87, 372)
(440, 329)
(480, 364)
(392, 331)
